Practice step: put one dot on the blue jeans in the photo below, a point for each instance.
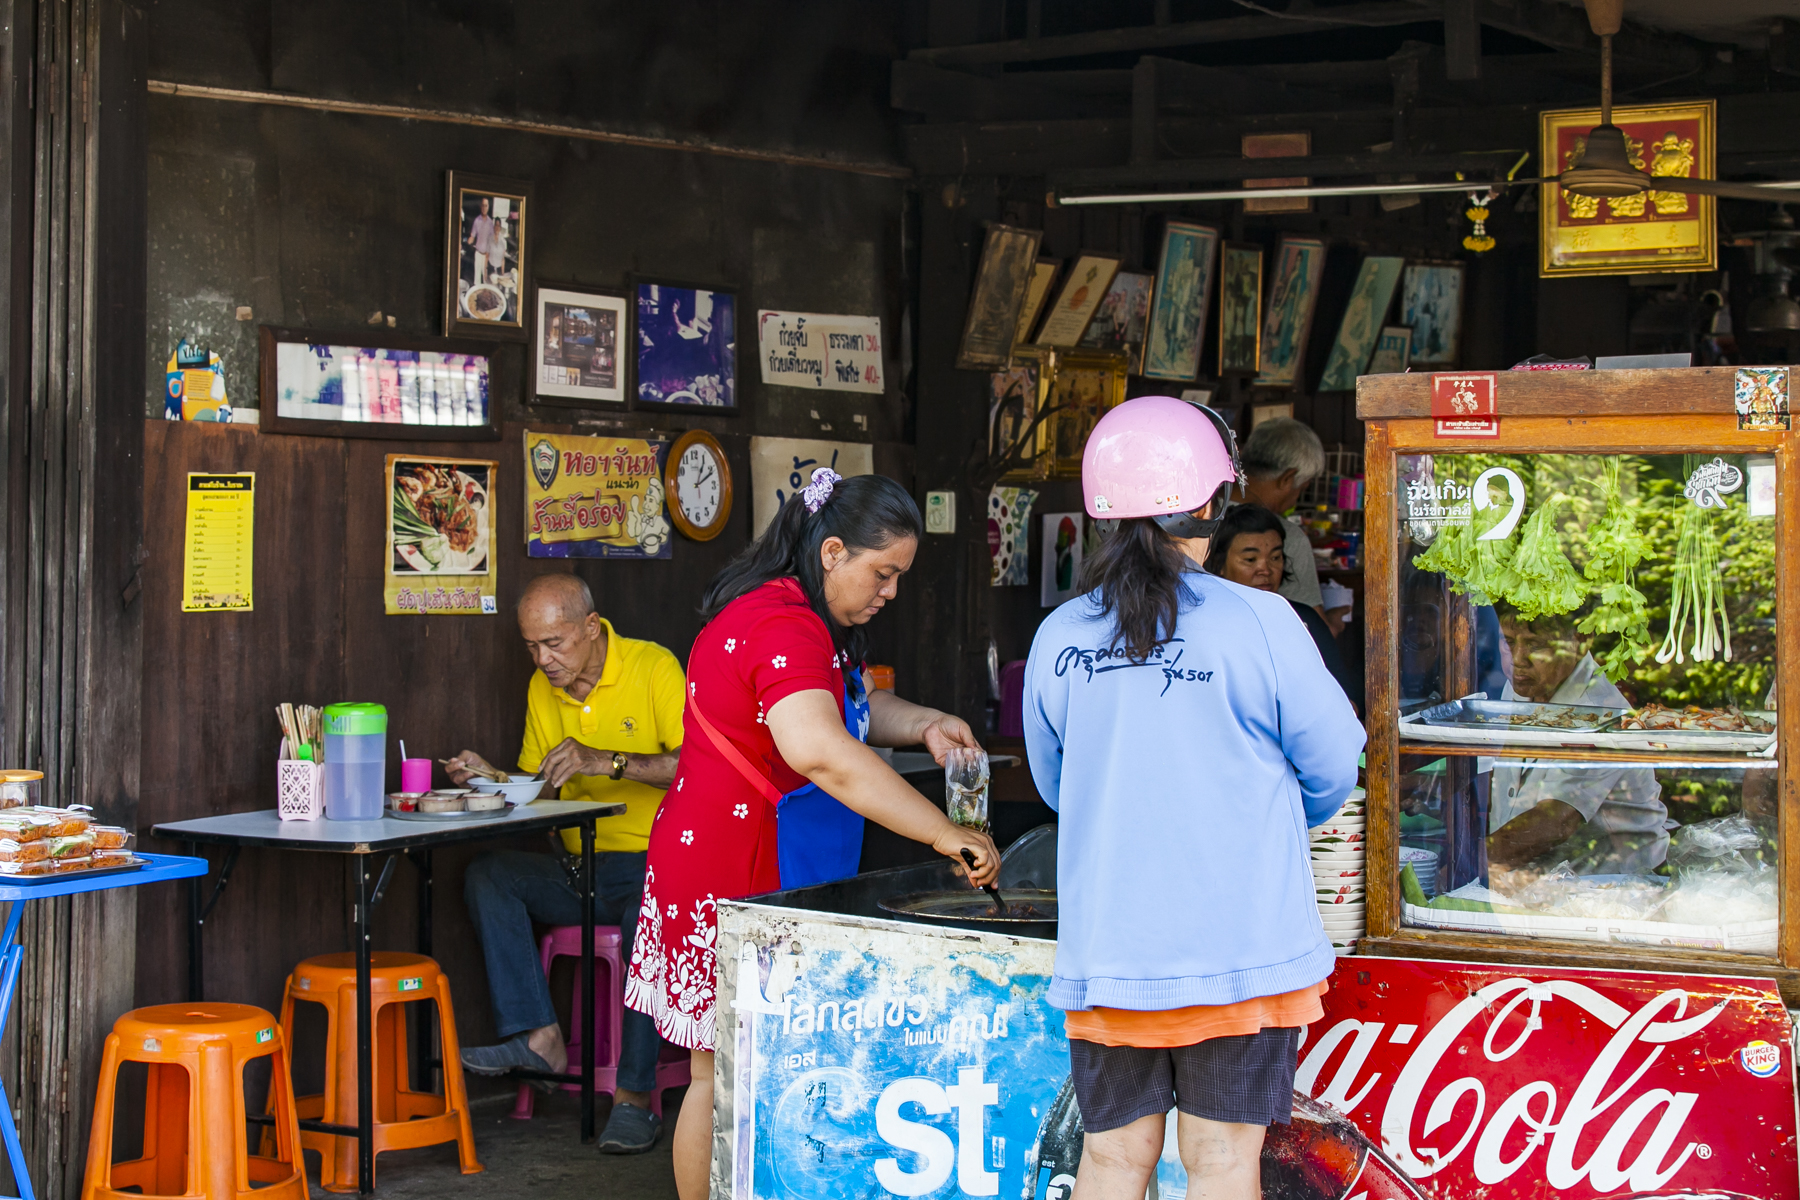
(506, 890)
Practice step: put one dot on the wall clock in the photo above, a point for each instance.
(698, 482)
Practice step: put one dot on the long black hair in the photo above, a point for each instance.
(866, 512)
(1245, 518)
(1135, 578)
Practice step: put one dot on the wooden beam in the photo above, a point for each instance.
(1143, 110)
(1462, 40)
(1320, 167)
(943, 95)
(1566, 28)
(1186, 33)
(1190, 88)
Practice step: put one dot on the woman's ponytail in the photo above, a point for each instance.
(1135, 578)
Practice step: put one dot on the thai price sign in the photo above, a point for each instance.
(1481, 1081)
(820, 350)
(595, 497)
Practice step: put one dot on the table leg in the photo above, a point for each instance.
(589, 999)
(365, 1039)
(196, 965)
(11, 959)
(424, 1041)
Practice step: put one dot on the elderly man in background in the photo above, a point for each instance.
(602, 722)
(1280, 459)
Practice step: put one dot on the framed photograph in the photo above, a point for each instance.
(375, 384)
(1078, 300)
(1043, 274)
(1370, 298)
(1393, 351)
(1277, 145)
(1293, 295)
(1644, 232)
(1240, 310)
(1015, 396)
(486, 239)
(686, 347)
(577, 343)
(1001, 281)
(440, 536)
(1431, 306)
(1177, 326)
(1082, 387)
(1119, 322)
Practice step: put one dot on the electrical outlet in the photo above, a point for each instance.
(940, 512)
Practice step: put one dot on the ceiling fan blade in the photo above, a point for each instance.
(1783, 192)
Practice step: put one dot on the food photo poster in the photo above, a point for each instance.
(440, 536)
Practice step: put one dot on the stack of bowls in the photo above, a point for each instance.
(1424, 864)
(1339, 868)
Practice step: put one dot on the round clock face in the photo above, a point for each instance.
(699, 486)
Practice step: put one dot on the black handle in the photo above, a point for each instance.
(993, 892)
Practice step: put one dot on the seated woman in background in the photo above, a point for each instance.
(1247, 549)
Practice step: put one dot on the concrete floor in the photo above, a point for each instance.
(543, 1156)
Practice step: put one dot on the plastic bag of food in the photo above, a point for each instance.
(1711, 896)
(1717, 845)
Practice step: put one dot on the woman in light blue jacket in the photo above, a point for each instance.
(1187, 733)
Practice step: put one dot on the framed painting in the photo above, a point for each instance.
(1078, 300)
(686, 338)
(1043, 274)
(1240, 309)
(487, 234)
(1393, 351)
(1118, 324)
(577, 351)
(1370, 298)
(1645, 232)
(1184, 274)
(1293, 295)
(1015, 397)
(1082, 387)
(1001, 281)
(1431, 306)
(376, 384)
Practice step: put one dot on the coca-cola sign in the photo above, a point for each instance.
(1481, 1081)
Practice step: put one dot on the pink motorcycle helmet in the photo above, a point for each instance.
(1159, 457)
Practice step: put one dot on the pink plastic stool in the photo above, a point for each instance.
(609, 1018)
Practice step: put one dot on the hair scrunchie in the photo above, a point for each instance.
(816, 493)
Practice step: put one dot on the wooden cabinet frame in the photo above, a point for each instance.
(1565, 412)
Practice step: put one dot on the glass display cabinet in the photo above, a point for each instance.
(1579, 630)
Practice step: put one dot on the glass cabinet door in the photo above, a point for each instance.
(1587, 654)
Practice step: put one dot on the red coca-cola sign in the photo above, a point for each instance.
(1482, 1081)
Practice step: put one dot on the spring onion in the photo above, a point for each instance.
(1696, 592)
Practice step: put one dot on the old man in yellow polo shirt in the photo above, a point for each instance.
(602, 722)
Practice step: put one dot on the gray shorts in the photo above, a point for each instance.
(1244, 1080)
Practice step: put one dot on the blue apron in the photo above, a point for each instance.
(817, 839)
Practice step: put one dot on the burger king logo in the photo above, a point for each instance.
(1761, 1059)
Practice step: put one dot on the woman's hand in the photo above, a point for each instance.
(954, 839)
(946, 733)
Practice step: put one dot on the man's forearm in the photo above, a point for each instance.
(657, 770)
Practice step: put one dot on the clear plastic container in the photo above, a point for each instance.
(355, 761)
(21, 787)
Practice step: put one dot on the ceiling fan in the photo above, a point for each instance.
(1605, 169)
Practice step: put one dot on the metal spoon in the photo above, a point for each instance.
(992, 891)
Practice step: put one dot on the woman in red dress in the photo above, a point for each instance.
(765, 716)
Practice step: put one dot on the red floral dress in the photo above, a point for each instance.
(714, 836)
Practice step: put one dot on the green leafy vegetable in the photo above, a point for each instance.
(1540, 581)
(1615, 547)
(1474, 566)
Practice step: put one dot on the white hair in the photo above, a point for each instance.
(1282, 444)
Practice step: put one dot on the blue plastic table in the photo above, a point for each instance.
(162, 867)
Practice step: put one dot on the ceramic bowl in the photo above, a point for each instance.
(519, 791)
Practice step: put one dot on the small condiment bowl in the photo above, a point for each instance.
(405, 801)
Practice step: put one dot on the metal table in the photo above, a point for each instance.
(393, 837)
(162, 867)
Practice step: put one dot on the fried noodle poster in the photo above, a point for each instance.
(440, 536)
(595, 497)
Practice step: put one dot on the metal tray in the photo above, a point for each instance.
(132, 864)
(1522, 714)
(1416, 728)
(490, 815)
(970, 909)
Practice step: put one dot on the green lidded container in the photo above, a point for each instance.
(355, 761)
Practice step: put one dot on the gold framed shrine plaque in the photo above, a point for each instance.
(1629, 235)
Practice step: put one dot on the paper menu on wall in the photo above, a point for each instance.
(220, 542)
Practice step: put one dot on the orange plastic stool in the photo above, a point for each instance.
(404, 1119)
(194, 1143)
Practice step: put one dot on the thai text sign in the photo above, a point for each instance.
(818, 350)
(594, 497)
(1483, 1081)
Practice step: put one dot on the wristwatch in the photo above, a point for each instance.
(618, 761)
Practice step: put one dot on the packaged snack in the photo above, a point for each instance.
(64, 822)
(110, 837)
(23, 827)
(78, 846)
(42, 866)
(16, 851)
(112, 857)
(65, 866)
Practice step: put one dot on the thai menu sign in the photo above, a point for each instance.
(594, 497)
(819, 350)
(1482, 1081)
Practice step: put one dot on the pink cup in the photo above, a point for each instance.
(415, 774)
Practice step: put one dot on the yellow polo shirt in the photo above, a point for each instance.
(636, 707)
